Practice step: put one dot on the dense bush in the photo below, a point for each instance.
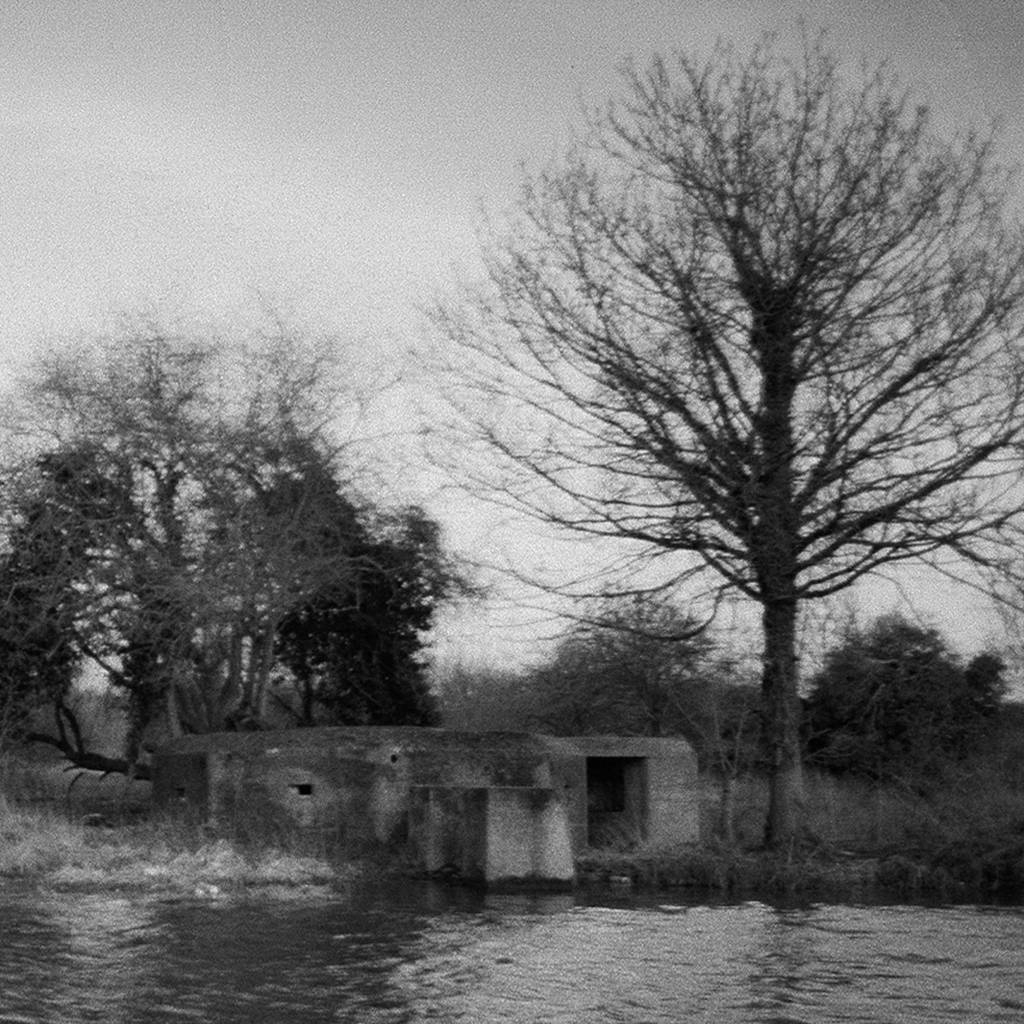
(893, 701)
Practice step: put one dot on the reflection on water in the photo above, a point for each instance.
(430, 954)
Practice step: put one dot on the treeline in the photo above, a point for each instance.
(892, 701)
(182, 522)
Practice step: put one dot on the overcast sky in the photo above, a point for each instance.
(194, 158)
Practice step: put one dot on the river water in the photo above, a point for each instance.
(434, 954)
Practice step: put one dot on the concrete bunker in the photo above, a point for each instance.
(488, 806)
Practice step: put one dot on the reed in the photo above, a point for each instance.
(34, 841)
(43, 843)
(963, 840)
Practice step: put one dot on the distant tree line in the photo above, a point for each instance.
(892, 702)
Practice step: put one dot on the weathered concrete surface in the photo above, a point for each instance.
(494, 834)
(659, 800)
(515, 793)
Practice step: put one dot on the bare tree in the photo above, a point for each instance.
(763, 321)
(630, 664)
(169, 490)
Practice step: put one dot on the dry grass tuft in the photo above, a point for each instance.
(35, 841)
(43, 843)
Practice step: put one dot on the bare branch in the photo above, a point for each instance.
(763, 319)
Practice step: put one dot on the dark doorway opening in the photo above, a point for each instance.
(616, 801)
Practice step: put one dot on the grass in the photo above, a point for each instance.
(43, 844)
(962, 841)
(37, 777)
(730, 870)
(91, 832)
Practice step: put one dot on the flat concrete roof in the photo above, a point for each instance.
(421, 737)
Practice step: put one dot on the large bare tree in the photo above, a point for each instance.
(763, 322)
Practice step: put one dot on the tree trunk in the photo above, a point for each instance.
(172, 709)
(234, 688)
(727, 810)
(775, 541)
(263, 670)
(782, 724)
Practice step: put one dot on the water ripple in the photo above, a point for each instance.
(432, 955)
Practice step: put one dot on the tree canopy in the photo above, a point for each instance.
(893, 701)
(630, 665)
(354, 648)
(185, 526)
(763, 325)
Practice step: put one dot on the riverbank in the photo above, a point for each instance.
(44, 846)
(981, 867)
(959, 842)
(963, 843)
(812, 873)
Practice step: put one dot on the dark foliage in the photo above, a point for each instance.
(355, 648)
(893, 701)
(39, 605)
(206, 556)
(637, 665)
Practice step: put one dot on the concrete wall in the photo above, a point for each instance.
(660, 787)
(366, 786)
(494, 834)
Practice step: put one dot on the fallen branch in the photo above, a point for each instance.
(76, 754)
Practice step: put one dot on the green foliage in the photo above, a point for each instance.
(893, 701)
